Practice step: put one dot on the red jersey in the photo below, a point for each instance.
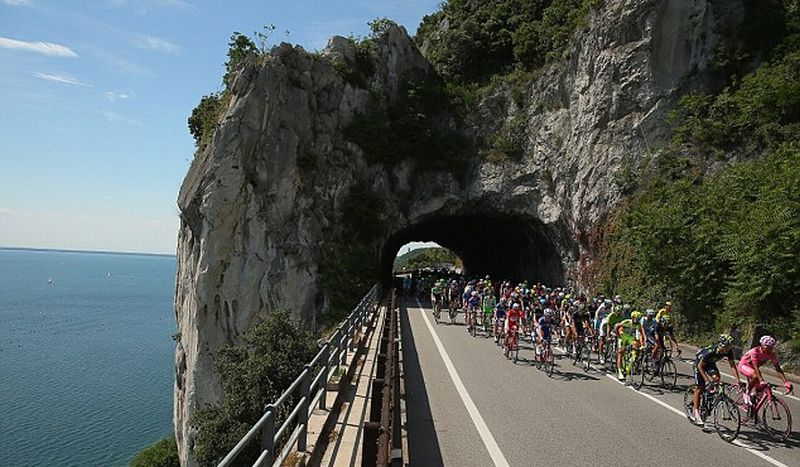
(514, 316)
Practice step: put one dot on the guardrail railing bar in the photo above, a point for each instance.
(342, 342)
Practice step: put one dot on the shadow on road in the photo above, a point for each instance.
(423, 444)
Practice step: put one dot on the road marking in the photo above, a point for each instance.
(483, 430)
(673, 409)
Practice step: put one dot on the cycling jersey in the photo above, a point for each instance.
(474, 302)
(756, 357)
(546, 327)
(500, 311)
(514, 317)
(709, 356)
(488, 304)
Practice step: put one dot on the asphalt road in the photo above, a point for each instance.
(469, 406)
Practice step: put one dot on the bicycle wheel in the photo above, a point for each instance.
(669, 374)
(637, 373)
(649, 367)
(777, 419)
(727, 420)
(587, 357)
(436, 312)
(516, 351)
(688, 404)
(550, 363)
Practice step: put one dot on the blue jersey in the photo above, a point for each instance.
(546, 328)
(474, 301)
(501, 309)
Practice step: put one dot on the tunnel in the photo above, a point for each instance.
(502, 246)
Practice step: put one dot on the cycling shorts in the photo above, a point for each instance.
(509, 325)
(603, 325)
(711, 369)
(746, 370)
(625, 340)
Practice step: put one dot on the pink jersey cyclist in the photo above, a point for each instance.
(757, 356)
(754, 358)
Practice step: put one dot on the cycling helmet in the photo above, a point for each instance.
(725, 340)
(626, 307)
(515, 306)
(607, 301)
(636, 315)
(561, 295)
(542, 301)
(548, 312)
(668, 304)
(767, 341)
(651, 312)
(475, 293)
(503, 300)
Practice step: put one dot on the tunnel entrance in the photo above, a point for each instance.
(503, 246)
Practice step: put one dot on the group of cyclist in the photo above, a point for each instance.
(542, 312)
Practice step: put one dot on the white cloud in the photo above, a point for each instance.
(112, 96)
(156, 43)
(46, 48)
(16, 2)
(114, 117)
(61, 78)
(6, 212)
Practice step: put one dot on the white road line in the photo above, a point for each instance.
(673, 409)
(483, 430)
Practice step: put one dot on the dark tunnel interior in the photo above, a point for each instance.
(505, 247)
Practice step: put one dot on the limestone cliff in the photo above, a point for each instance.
(264, 207)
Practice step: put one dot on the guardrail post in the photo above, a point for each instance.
(326, 355)
(268, 435)
(302, 415)
(369, 448)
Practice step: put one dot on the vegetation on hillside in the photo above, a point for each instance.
(425, 258)
(472, 40)
(725, 246)
(164, 453)
(253, 374)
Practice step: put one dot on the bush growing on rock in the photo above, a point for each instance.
(164, 453)
(253, 374)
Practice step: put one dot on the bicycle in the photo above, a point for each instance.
(770, 413)
(663, 368)
(511, 346)
(453, 307)
(585, 354)
(632, 366)
(473, 322)
(714, 401)
(437, 310)
(545, 358)
(487, 325)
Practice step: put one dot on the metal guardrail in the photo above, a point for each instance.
(382, 442)
(311, 389)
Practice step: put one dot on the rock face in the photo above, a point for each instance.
(262, 203)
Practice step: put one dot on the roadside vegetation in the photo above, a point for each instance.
(422, 258)
(253, 374)
(164, 453)
(715, 224)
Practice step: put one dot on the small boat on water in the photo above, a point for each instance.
(50, 280)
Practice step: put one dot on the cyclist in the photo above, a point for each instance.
(473, 304)
(513, 319)
(705, 370)
(627, 332)
(649, 328)
(499, 319)
(754, 358)
(437, 291)
(607, 325)
(489, 303)
(664, 317)
(544, 330)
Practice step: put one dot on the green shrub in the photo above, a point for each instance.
(484, 38)
(204, 118)
(164, 453)
(723, 248)
(253, 374)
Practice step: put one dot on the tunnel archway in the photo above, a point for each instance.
(506, 246)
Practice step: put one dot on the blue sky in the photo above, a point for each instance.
(94, 97)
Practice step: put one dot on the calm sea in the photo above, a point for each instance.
(86, 356)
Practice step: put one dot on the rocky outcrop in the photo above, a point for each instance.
(263, 202)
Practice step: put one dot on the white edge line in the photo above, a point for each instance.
(483, 430)
(673, 409)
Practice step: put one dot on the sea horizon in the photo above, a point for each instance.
(91, 252)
